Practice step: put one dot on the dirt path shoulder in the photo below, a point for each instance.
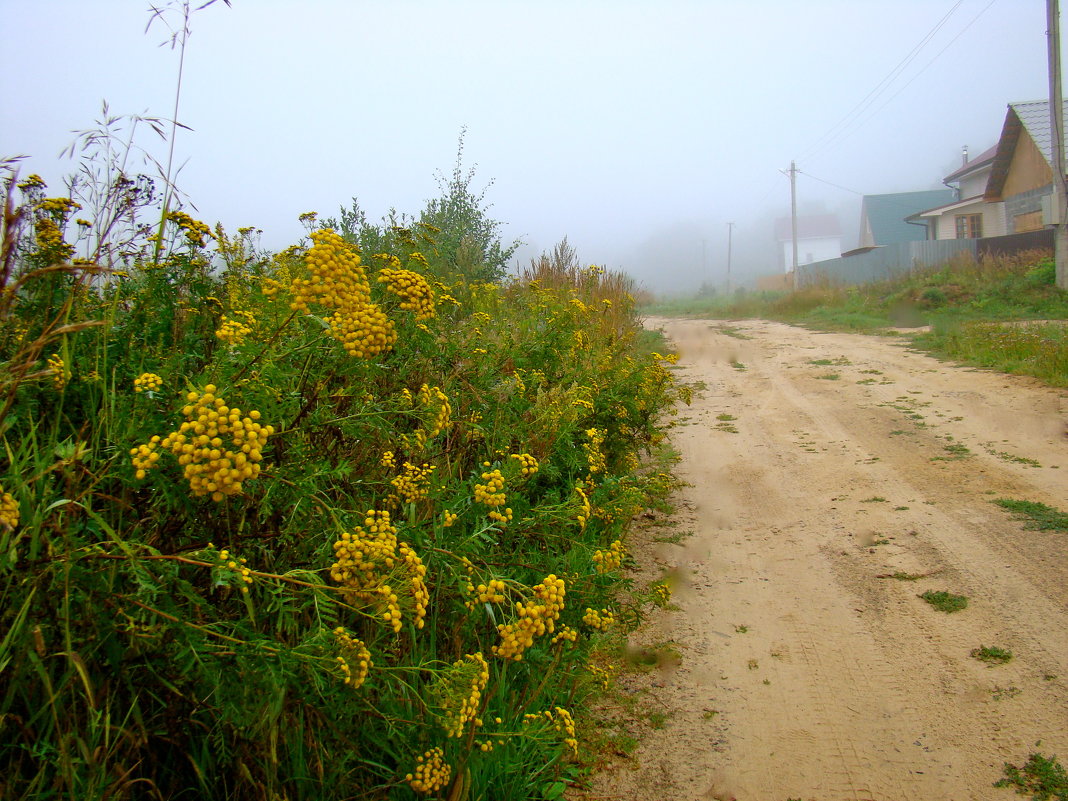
(833, 479)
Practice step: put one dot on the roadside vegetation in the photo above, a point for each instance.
(1001, 313)
(345, 520)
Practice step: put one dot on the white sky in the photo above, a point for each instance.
(637, 128)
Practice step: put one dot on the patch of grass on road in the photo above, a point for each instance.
(945, 601)
(1041, 517)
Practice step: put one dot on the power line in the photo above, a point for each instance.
(839, 128)
(836, 186)
(929, 63)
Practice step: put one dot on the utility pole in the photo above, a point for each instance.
(1056, 127)
(793, 215)
(730, 230)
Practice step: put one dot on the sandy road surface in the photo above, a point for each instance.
(806, 672)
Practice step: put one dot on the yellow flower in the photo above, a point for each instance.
(147, 382)
(353, 659)
(9, 510)
(431, 772)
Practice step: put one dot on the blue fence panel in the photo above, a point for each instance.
(883, 263)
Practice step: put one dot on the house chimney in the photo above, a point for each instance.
(964, 155)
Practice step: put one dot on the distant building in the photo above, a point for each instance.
(883, 217)
(819, 237)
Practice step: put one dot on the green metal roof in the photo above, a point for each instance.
(886, 214)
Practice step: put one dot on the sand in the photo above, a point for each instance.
(806, 671)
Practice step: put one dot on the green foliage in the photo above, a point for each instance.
(1040, 516)
(469, 239)
(1041, 776)
(992, 655)
(178, 615)
(945, 601)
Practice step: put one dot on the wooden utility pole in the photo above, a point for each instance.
(1056, 128)
(793, 215)
(730, 230)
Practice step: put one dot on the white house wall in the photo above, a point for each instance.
(810, 250)
(993, 219)
(975, 184)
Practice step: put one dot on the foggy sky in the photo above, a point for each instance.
(636, 128)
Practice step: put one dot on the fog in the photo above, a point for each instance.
(637, 129)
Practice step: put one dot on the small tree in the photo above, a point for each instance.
(468, 239)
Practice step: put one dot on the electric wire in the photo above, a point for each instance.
(838, 128)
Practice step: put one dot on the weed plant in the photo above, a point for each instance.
(945, 601)
(1039, 516)
(341, 521)
(1044, 778)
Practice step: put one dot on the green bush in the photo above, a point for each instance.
(336, 521)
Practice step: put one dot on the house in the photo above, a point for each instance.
(970, 215)
(883, 217)
(1021, 175)
(819, 237)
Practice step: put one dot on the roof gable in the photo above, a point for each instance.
(1033, 118)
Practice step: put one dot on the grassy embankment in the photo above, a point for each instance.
(345, 521)
(1005, 314)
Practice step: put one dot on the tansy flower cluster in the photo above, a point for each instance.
(528, 465)
(459, 692)
(50, 241)
(585, 510)
(661, 594)
(431, 772)
(609, 560)
(59, 371)
(353, 658)
(58, 207)
(414, 292)
(339, 282)
(9, 511)
(370, 561)
(600, 621)
(237, 566)
(195, 231)
(433, 407)
(234, 330)
(448, 518)
(603, 676)
(491, 494)
(147, 382)
(536, 617)
(211, 468)
(594, 454)
(413, 483)
(565, 634)
(492, 593)
(561, 721)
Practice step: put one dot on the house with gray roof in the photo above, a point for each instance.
(883, 217)
(1021, 176)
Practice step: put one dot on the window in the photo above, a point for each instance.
(969, 226)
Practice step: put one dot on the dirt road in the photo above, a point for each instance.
(807, 670)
